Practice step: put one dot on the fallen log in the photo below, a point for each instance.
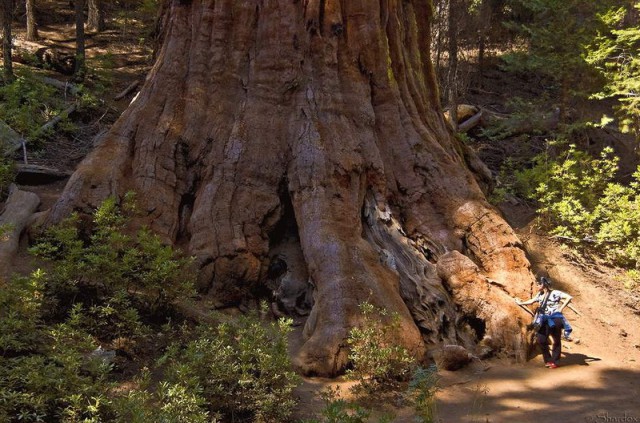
(470, 123)
(17, 211)
(38, 55)
(10, 140)
(53, 122)
(126, 91)
(66, 87)
(29, 174)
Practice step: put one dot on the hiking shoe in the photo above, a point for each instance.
(551, 365)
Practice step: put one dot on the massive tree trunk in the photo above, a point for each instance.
(314, 126)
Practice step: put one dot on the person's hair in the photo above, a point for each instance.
(544, 281)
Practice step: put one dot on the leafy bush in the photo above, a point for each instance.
(29, 103)
(169, 403)
(614, 52)
(378, 364)
(7, 175)
(116, 274)
(631, 279)
(576, 184)
(423, 387)
(239, 369)
(580, 202)
(46, 371)
(100, 286)
(338, 410)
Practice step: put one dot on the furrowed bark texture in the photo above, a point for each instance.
(313, 123)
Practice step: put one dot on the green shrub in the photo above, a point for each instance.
(116, 275)
(7, 175)
(239, 369)
(378, 364)
(337, 410)
(423, 388)
(631, 279)
(571, 188)
(614, 52)
(169, 403)
(580, 202)
(29, 103)
(46, 371)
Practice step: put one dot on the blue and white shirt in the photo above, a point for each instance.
(553, 303)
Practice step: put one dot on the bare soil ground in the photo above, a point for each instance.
(598, 378)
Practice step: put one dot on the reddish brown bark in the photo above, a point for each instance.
(316, 124)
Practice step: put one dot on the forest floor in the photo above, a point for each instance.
(598, 378)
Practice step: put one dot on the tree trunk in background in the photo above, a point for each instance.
(485, 28)
(79, 73)
(439, 28)
(453, 62)
(6, 15)
(314, 126)
(95, 17)
(32, 26)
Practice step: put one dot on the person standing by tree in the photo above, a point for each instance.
(552, 321)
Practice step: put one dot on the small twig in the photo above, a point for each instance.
(53, 122)
(65, 86)
(470, 123)
(101, 117)
(24, 151)
(126, 91)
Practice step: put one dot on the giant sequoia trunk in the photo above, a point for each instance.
(269, 131)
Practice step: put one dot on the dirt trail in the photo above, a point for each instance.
(598, 379)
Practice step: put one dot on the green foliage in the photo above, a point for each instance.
(423, 387)
(128, 273)
(20, 309)
(378, 363)
(7, 175)
(574, 187)
(338, 410)
(46, 371)
(169, 403)
(102, 280)
(631, 279)
(580, 201)
(526, 116)
(239, 368)
(29, 103)
(614, 51)
(555, 32)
